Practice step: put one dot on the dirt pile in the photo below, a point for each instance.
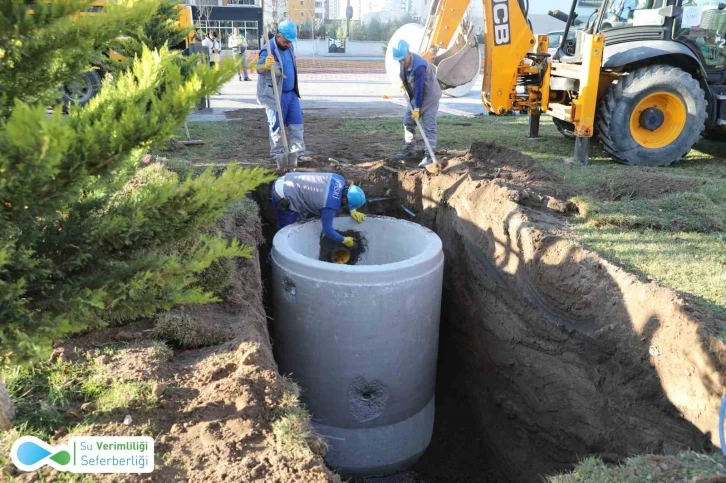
(564, 354)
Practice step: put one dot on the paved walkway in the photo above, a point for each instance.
(342, 97)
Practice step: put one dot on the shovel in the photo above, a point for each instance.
(189, 141)
(287, 159)
(432, 156)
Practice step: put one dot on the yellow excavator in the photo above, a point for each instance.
(646, 77)
(83, 89)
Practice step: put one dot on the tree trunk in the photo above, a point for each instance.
(7, 410)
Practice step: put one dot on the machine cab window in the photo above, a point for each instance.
(632, 13)
(702, 26)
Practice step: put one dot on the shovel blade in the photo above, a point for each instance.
(286, 160)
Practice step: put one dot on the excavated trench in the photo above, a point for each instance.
(547, 353)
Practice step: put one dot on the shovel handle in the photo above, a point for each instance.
(420, 130)
(277, 101)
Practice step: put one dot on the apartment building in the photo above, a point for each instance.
(302, 11)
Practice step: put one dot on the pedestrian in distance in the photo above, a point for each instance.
(299, 195)
(238, 44)
(215, 48)
(419, 83)
(279, 54)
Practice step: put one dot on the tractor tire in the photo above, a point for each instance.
(652, 116)
(565, 128)
(80, 92)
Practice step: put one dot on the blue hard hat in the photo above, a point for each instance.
(288, 30)
(356, 197)
(400, 51)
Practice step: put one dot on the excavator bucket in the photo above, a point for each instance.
(459, 64)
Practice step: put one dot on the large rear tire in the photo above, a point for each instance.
(82, 90)
(652, 116)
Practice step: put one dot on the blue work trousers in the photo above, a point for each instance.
(293, 118)
(284, 217)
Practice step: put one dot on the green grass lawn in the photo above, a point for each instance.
(676, 238)
(679, 468)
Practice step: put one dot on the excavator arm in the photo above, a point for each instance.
(507, 40)
(449, 43)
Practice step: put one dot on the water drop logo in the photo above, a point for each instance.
(29, 453)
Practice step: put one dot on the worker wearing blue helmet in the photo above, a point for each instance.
(420, 84)
(279, 54)
(296, 196)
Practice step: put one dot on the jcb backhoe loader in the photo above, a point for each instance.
(647, 77)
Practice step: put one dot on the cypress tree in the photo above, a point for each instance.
(85, 237)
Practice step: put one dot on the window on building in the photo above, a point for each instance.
(302, 14)
(319, 16)
(235, 3)
(225, 29)
(318, 4)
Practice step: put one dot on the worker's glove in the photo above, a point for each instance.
(357, 216)
(416, 114)
(401, 87)
(269, 62)
(349, 242)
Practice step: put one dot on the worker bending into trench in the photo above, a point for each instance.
(297, 196)
(419, 83)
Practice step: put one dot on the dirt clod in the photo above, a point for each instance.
(125, 336)
(58, 355)
(159, 389)
(556, 205)
(88, 407)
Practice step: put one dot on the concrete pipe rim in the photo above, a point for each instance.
(285, 255)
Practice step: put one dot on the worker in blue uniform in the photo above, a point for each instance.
(296, 196)
(279, 54)
(419, 81)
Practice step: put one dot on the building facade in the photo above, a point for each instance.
(225, 15)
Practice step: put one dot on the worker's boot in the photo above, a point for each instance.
(425, 162)
(408, 152)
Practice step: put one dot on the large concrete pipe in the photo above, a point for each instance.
(362, 340)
